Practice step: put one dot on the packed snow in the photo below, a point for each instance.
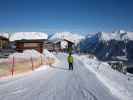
(28, 36)
(118, 83)
(58, 83)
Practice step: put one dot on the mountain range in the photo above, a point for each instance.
(109, 46)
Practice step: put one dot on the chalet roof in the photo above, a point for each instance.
(69, 41)
(28, 36)
(3, 38)
(30, 41)
(4, 34)
(59, 40)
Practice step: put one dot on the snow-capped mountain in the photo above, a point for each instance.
(28, 35)
(75, 38)
(109, 45)
(129, 36)
(118, 35)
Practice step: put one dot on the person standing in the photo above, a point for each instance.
(70, 61)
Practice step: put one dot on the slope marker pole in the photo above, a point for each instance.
(13, 65)
(32, 63)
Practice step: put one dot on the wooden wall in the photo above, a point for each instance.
(23, 45)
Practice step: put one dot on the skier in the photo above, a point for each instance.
(70, 61)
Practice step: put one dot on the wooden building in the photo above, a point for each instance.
(22, 45)
(70, 43)
(49, 46)
(57, 46)
(62, 45)
(28, 40)
(3, 42)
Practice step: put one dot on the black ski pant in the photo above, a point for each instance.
(70, 66)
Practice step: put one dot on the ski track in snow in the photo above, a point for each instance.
(56, 83)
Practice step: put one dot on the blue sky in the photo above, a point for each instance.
(82, 16)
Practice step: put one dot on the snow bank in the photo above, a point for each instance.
(3, 60)
(27, 54)
(118, 83)
(27, 61)
(49, 55)
(28, 36)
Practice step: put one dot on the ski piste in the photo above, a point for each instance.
(57, 83)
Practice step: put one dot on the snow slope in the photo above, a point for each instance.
(56, 83)
(28, 36)
(115, 81)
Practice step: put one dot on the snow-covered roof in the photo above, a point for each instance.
(4, 34)
(75, 38)
(28, 36)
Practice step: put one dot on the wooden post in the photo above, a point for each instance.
(41, 60)
(32, 63)
(13, 65)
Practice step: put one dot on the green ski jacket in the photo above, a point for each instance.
(70, 59)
